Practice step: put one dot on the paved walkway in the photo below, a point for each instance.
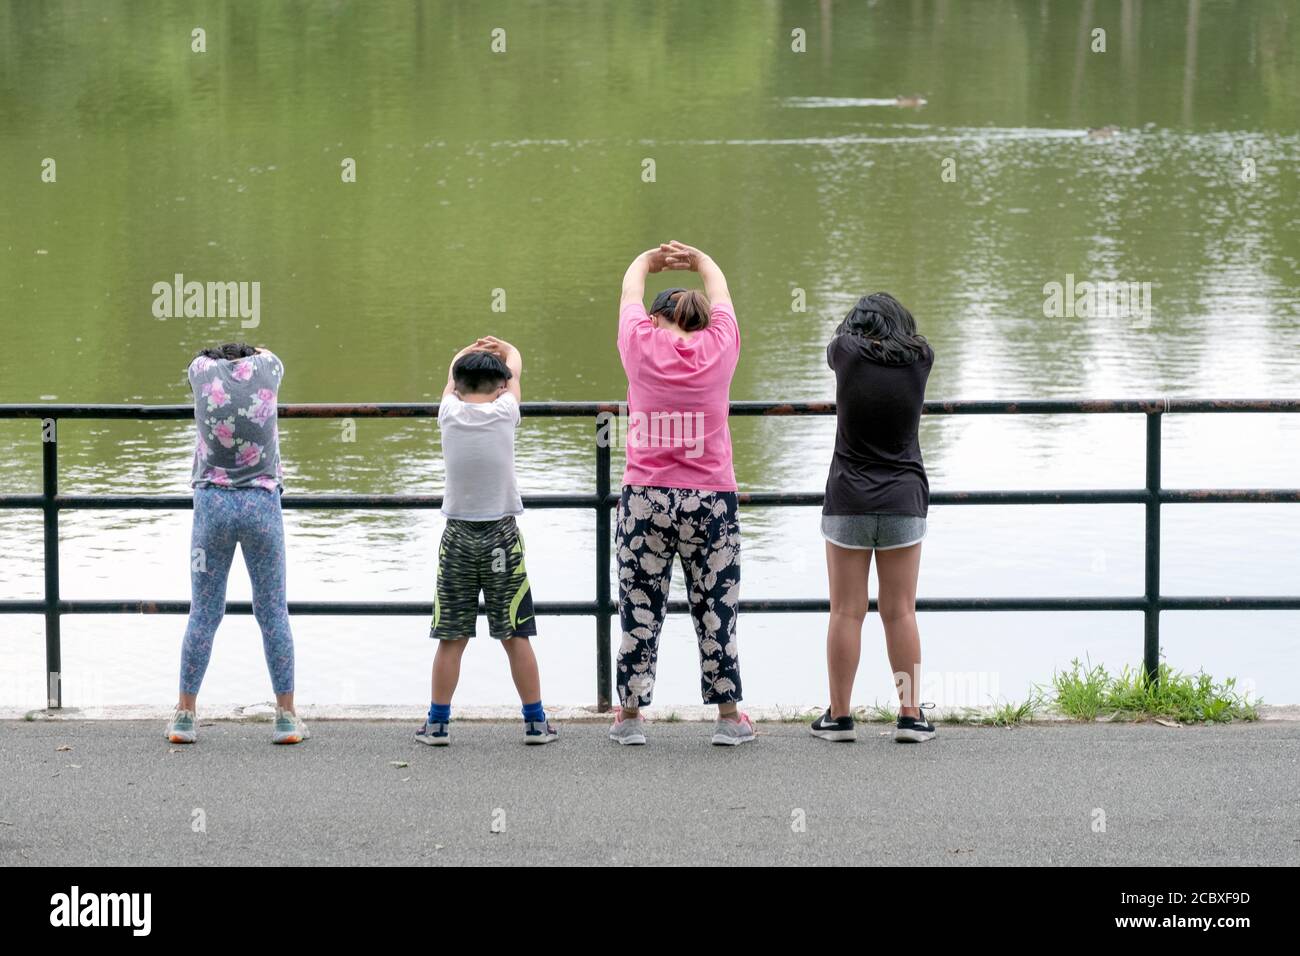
(122, 795)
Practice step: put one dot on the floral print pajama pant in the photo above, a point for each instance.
(702, 528)
(249, 517)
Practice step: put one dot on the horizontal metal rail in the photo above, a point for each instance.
(1079, 496)
(1124, 406)
(757, 605)
(1152, 497)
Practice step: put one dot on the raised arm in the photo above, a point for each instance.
(652, 260)
(679, 255)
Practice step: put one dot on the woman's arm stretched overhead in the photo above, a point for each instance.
(652, 260)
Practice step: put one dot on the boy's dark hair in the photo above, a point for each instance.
(229, 351)
(479, 373)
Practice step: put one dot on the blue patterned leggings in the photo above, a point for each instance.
(249, 517)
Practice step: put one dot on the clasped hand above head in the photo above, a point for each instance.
(674, 255)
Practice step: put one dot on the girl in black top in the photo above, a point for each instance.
(877, 496)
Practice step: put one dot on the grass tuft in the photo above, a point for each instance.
(1005, 715)
(799, 716)
(1010, 714)
(877, 713)
(1088, 692)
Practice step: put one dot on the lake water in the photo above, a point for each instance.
(523, 172)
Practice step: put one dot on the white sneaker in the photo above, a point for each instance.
(182, 728)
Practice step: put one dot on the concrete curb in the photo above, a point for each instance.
(569, 714)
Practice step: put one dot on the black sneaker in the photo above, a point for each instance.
(915, 730)
(834, 728)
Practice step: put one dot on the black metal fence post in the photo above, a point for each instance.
(604, 607)
(50, 510)
(1151, 646)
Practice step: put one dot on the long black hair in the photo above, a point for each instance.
(887, 329)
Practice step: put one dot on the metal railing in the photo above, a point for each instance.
(1151, 602)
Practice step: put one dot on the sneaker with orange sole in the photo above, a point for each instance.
(289, 728)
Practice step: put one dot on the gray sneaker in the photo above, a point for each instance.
(627, 730)
(289, 728)
(183, 729)
(730, 733)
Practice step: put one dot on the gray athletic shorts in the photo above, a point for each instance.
(875, 532)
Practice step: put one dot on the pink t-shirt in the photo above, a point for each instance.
(678, 398)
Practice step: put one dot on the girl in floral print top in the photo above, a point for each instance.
(236, 461)
(235, 399)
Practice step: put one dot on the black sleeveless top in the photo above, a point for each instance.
(877, 466)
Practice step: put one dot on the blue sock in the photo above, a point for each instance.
(440, 713)
(534, 714)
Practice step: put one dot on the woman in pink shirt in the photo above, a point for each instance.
(679, 488)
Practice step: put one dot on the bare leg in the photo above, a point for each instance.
(847, 570)
(898, 569)
(523, 668)
(446, 668)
